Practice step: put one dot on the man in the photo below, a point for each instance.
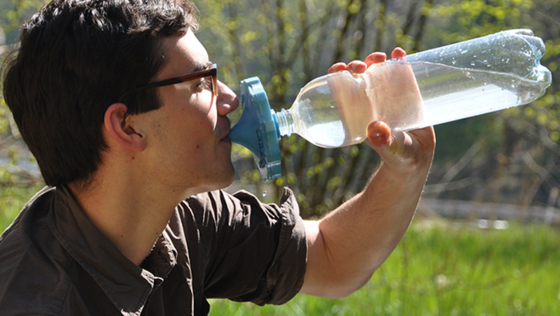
(121, 107)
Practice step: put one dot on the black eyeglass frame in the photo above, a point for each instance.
(210, 72)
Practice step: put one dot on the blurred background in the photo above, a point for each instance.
(485, 239)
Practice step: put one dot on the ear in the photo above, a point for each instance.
(120, 127)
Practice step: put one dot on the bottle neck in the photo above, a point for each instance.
(285, 123)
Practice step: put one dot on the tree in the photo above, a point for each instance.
(288, 42)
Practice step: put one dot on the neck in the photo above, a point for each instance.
(126, 210)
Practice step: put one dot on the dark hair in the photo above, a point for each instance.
(76, 58)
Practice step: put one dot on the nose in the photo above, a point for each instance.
(227, 101)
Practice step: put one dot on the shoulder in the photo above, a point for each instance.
(30, 267)
(253, 251)
(216, 204)
(211, 208)
(33, 285)
(26, 235)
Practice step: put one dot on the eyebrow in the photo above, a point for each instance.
(200, 67)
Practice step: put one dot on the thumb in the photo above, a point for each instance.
(379, 135)
(390, 146)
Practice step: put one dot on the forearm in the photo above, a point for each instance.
(350, 243)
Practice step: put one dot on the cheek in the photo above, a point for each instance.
(200, 130)
(196, 121)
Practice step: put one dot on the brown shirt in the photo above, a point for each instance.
(54, 261)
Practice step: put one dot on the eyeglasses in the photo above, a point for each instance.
(212, 72)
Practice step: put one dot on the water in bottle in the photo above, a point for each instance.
(449, 83)
(429, 88)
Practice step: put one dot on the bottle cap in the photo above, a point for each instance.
(257, 129)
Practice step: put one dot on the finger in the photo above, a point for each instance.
(375, 58)
(337, 67)
(398, 53)
(379, 134)
(393, 148)
(357, 67)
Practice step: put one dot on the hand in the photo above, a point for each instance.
(351, 242)
(358, 66)
(399, 151)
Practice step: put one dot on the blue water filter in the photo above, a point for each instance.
(257, 129)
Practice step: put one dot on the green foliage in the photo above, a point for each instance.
(17, 184)
(14, 13)
(447, 269)
(12, 200)
(289, 42)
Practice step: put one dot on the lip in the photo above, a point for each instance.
(225, 134)
(225, 140)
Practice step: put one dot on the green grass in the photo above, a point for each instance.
(439, 268)
(448, 269)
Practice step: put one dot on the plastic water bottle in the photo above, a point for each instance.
(436, 86)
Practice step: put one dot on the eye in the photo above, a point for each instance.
(204, 84)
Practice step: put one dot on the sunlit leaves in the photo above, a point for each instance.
(289, 42)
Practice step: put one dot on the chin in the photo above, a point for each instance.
(220, 180)
(229, 176)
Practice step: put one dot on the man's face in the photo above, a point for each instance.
(187, 136)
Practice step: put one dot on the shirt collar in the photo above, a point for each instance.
(127, 285)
